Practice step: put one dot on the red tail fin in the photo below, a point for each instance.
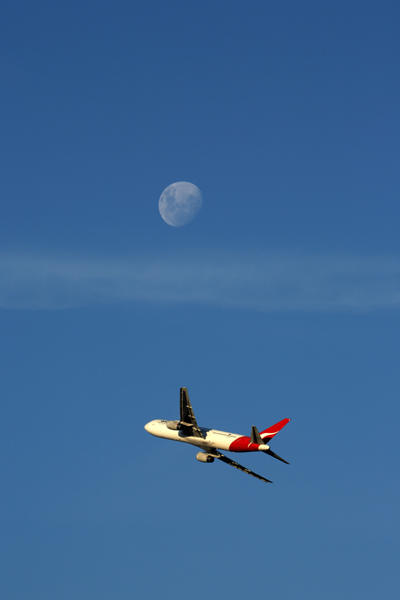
(269, 433)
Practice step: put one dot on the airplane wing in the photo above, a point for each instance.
(228, 461)
(188, 420)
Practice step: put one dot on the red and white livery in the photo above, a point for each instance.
(210, 441)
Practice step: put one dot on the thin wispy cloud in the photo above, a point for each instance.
(262, 282)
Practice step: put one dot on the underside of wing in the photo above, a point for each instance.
(228, 461)
(188, 420)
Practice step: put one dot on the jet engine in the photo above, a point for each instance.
(174, 425)
(204, 457)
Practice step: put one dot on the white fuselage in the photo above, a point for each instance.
(213, 439)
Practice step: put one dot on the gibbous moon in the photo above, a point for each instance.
(179, 203)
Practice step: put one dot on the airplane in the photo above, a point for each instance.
(212, 440)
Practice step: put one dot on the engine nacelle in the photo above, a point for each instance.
(174, 425)
(204, 457)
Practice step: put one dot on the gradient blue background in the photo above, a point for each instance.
(286, 115)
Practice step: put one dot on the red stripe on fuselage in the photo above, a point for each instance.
(243, 444)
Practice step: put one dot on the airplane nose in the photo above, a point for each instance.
(149, 426)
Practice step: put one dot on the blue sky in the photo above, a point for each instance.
(281, 299)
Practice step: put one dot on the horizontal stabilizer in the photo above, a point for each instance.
(255, 436)
(275, 456)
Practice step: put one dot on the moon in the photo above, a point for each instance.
(179, 203)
